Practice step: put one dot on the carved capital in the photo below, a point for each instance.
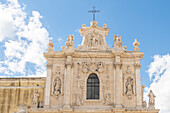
(49, 65)
(117, 65)
(137, 66)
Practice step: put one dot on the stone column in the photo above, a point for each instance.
(48, 85)
(118, 81)
(67, 83)
(138, 86)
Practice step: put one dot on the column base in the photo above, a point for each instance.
(66, 107)
(139, 106)
(118, 106)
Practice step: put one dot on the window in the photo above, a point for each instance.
(93, 87)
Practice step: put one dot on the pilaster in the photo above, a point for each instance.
(48, 85)
(138, 85)
(118, 83)
(67, 81)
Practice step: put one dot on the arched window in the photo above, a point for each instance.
(93, 87)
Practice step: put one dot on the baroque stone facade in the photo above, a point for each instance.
(91, 78)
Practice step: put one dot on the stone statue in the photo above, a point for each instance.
(117, 41)
(70, 42)
(151, 99)
(136, 44)
(50, 46)
(100, 67)
(57, 86)
(35, 98)
(129, 86)
(85, 67)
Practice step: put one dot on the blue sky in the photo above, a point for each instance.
(146, 20)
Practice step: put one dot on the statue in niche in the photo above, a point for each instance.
(107, 99)
(85, 67)
(151, 99)
(70, 42)
(117, 41)
(57, 87)
(129, 86)
(100, 67)
(35, 98)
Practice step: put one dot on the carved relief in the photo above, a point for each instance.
(94, 40)
(78, 100)
(107, 99)
(85, 67)
(101, 67)
(93, 66)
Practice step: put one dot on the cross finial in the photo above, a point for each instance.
(94, 11)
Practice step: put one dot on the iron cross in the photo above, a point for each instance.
(94, 11)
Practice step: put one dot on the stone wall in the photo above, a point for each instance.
(16, 91)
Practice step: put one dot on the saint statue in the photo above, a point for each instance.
(35, 98)
(117, 41)
(57, 87)
(151, 99)
(129, 86)
(70, 40)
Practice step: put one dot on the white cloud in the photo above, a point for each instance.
(60, 40)
(24, 38)
(159, 73)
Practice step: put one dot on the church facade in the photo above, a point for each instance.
(92, 78)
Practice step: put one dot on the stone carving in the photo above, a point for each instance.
(144, 104)
(136, 44)
(151, 100)
(50, 46)
(117, 41)
(35, 99)
(107, 99)
(57, 86)
(101, 67)
(70, 42)
(85, 67)
(78, 100)
(94, 40)
(58, 70)
(129, 86)
(128, 70)
(93, 66)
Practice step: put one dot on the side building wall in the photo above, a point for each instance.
(16, 91)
